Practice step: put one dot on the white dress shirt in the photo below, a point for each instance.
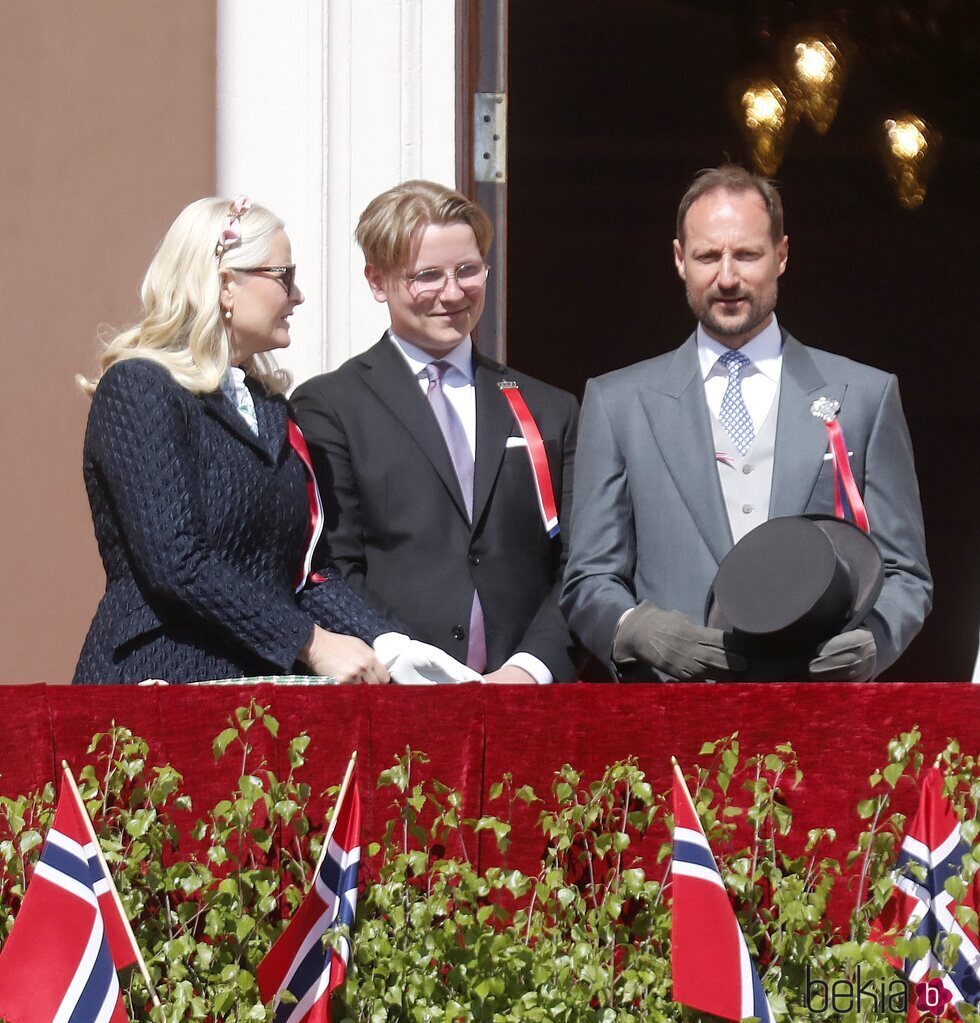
(760, 379)
(457, 384)
(458, 387)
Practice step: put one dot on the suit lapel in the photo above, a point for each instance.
(387, 374)
(494, 424)
(679, 417)
(801, 438)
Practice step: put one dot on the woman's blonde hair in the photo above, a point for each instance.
(182, 328)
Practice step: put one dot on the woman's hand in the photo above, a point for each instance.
(345, 658)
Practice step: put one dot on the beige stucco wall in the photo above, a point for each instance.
(106, 131)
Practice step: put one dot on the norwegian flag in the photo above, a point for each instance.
(59, 963)
(298, 962)
(709, 960)
(921, 906)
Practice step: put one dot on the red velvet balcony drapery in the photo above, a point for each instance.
(473, 734)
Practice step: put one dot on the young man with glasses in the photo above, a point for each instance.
(425, 452)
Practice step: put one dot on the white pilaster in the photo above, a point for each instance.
(321, 106)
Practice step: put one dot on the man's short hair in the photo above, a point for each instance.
(390, 228)
(730, 177)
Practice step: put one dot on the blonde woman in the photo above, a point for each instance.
(202, 502)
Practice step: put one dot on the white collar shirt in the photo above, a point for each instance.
(457, 384)
(760, 379)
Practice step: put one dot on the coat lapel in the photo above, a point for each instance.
(801, 438)
(219, 407)
(494, 424)
(271, 415)
(387, 374)
(679, 417)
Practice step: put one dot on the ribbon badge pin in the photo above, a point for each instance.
(825, 408)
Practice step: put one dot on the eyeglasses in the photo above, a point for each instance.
(469, 277)
(285, 275)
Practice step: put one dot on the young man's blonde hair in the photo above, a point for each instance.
(390, 228)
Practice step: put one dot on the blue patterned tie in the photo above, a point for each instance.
(734, 416)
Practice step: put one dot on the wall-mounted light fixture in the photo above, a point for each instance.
(910, 149)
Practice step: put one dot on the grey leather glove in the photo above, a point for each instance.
(847, 657)
(673, 644)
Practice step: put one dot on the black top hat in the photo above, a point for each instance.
(790, 584)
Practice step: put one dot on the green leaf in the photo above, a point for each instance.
(222, 741)
(866, 808)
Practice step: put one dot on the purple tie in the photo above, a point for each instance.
(462, 458)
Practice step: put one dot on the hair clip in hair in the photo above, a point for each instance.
(231, 232)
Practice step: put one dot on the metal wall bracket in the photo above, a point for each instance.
(490, 137)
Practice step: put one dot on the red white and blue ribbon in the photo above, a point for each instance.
(298, 443)
(844, 479)
(827, 409)
(540, 471)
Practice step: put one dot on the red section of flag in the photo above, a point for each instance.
(297, 961)
(709, 960)
(932, 852)
(57, 959)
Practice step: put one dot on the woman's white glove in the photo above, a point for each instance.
(413, 663)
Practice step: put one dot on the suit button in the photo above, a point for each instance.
(747, 508)
(474, 559)
(747, 469)
(459, 632)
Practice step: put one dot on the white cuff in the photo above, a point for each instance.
(537, 669)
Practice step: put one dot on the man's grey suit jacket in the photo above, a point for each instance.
(649, 519)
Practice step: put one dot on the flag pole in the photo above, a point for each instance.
(336, 812)
(679, 776)
(70, 779)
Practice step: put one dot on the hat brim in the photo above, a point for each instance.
(859, 554)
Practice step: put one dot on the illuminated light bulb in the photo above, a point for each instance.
(764, 115)
(764, 107)
(910, 148)
(905, 139)
(814, 61)
(816, 66)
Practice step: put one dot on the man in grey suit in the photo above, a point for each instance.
(681, 455)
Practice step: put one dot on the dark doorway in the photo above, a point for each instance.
(615, 104)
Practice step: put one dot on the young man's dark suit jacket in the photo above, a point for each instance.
(395, 517)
